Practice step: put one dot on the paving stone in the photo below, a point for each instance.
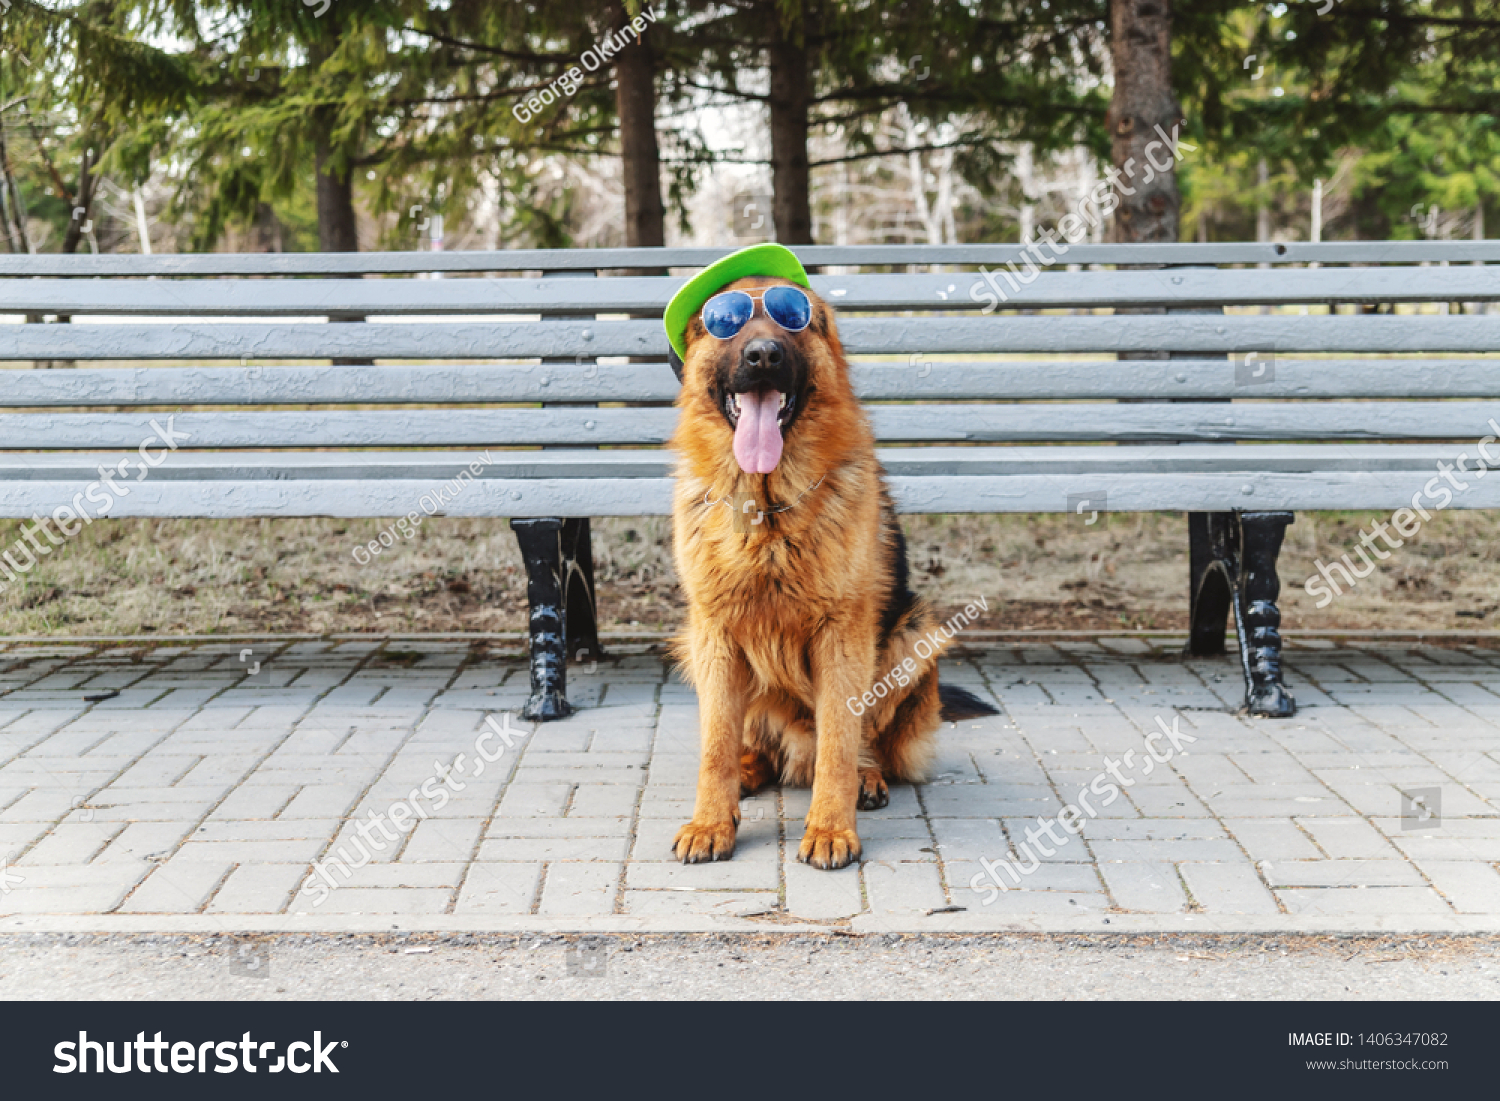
(514, 849)
(721, 875)
(387, 900)
(446, 874)
(673, 801)
(903, 888)
(265, 831)
(499, 889)
(144, 841)
(523, 800)
(71, 843)
(1470, 888)
(258, 889)
(1153, 829)
(1347, 838)
(1033, 904)
(1164, 851)
(320, 801)
(181, 885)
(250, 852)
(674, 768)
(91, 899)
(1480, 850)
(1356, 901)
(822, 895)
(560, 827)
(969, 839)
(1042, 877)
(603, 800)
(980, 801)
(695, 903)
(1163, 800)
(544, 774)
(1340, 873)
(1227, 888)
(1145, 888)
(1273, 839)
(573, 889)
(1397, 828)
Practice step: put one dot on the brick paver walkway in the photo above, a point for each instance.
(199, 795)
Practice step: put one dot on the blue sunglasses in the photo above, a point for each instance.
(726, 314)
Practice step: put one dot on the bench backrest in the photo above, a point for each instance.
(500, 353)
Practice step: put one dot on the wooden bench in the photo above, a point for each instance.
(565, 382)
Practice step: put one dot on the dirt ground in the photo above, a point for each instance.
(128, 577)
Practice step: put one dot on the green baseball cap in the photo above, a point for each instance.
(769, 259)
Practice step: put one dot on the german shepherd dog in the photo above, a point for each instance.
(794, 567)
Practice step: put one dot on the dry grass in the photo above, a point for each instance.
(1041, 571)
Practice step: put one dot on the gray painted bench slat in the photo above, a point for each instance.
(929, 335)
(532, 497)
(561, 463)
(1335, 252)
(958, 291)
(925, 380)
(989, 423)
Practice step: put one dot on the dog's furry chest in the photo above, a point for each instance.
(762, 591)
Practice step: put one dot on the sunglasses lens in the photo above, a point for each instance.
(788, 307)
(726, 314)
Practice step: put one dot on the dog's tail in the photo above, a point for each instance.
(959, 703)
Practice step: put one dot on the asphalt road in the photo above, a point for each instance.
(777, 967)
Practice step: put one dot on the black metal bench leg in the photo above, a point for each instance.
(1213, 554)
(1256, 615)
(1232, 559)
(560, 594)
(580, 617)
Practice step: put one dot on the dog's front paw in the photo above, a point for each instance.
(828, 849)
(700, 842)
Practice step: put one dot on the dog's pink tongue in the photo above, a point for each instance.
(757, 436)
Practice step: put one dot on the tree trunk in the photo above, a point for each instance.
(1262, 210)
(337, 229)
(17, 204)
(790, 99)
(83, 198)
(635, 103)
(1141, 32)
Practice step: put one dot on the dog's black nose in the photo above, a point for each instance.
(761, 355)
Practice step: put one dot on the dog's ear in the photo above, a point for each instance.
(675, 362)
